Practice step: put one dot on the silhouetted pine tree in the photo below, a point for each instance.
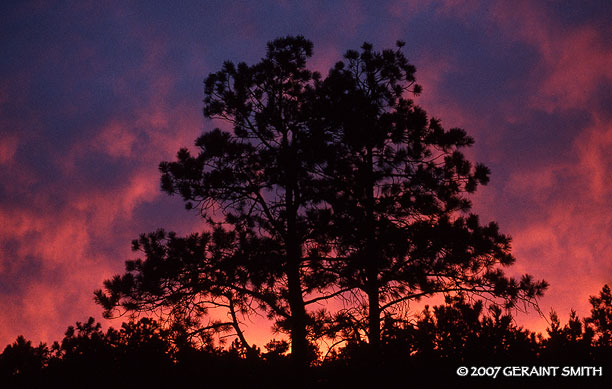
(396, 183)
(601, 316)
(256, 181)
(336, 187)
(601, 322)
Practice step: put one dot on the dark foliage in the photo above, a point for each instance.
(426, 351)
(336, 187)
(184, 278)
(21, 363)
(396, 183)
(254, 186)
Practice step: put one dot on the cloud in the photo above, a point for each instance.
(81, 170)
(535, 95)
(564, 237)
(8, 148)
(573, 59)
(88, 112)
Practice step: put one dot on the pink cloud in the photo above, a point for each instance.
(594, 157)
(66, 239)
(568, 245)
(62, 241)
(573, 60)
(8, 148)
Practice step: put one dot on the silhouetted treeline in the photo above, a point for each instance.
(429, 349)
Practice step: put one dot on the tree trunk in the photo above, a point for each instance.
(299, 344)
(373, 306)
(371, 259)
(298, 313)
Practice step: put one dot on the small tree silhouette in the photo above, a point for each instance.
(21, 363)
(601, 316)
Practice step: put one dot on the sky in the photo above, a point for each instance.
(93, 97)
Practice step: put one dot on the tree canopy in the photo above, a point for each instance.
(396, 184)
(335, 192)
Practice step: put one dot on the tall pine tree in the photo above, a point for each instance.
(396, 183)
